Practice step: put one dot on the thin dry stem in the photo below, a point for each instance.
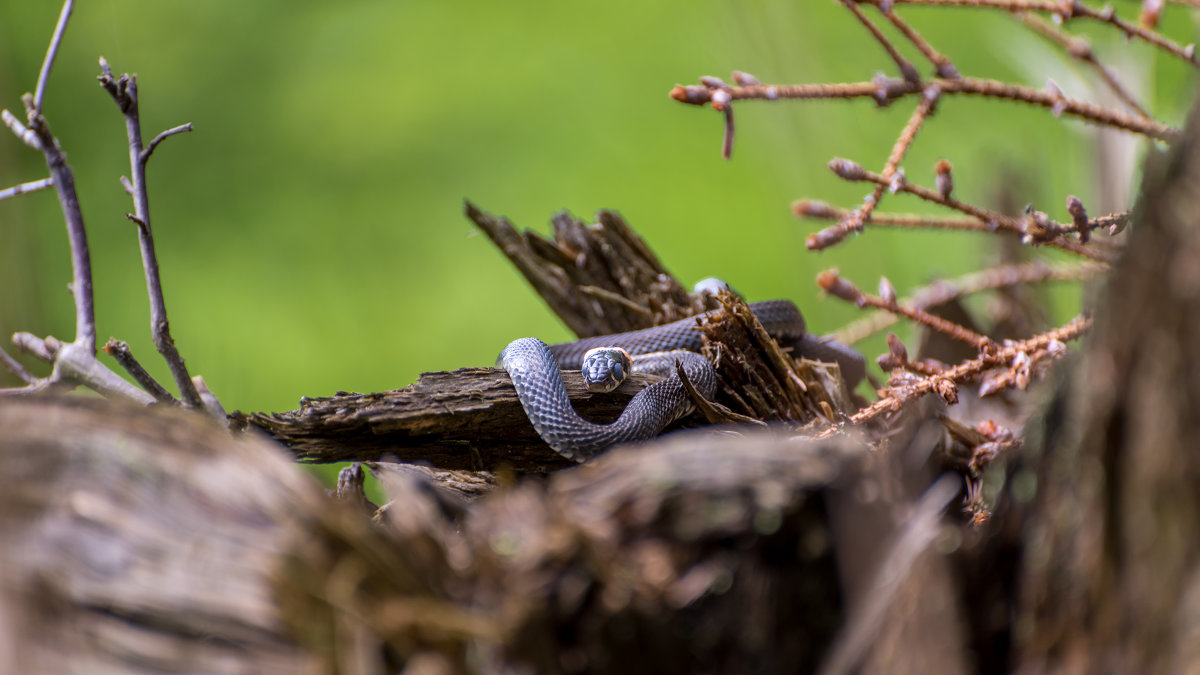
(992, 278)
(119, 350)
(907, 70)
(993, 219)
(52, 52)
(886, 90)
(967, 370)
(16, 368)
(25, 188)
(25, 134)
(125, 94)
(808, 208)
(145, 156)
(854, 222)
(941, 64)
(1070, 10)
(81, 261)
(838, 286)
(1079, 48)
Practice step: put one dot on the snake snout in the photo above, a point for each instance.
(605, 368)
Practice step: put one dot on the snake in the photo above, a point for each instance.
(535, 369)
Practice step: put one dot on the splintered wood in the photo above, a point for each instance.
(599, 279)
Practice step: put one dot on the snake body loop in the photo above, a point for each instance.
(535, 374)
(535, 366)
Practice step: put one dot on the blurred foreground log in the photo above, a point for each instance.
(149, 540)
(1105, 506)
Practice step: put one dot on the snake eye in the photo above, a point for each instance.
(618, 372)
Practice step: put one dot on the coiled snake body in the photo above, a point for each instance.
(535, 366)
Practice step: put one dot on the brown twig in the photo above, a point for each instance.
(119, 350)
(898, 397)
(941, 64)
(941, 292)
(1079, 48)
(838, 286)
(886, 90)
(855, 172)
(854, 221)
(1066, 10)
(907, 70)
(124, 93)
(810, 208)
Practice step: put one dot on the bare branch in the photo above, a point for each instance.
(23, 188)
(898, 397)
(885, 90)
(854, 221)
(26, 135)
(943, 291)
(119, 350)
(16, 368)
(1080, 49)
(838, 286)
(1070, 10)
(52, 53)
(32, 344)
(68, 198)
(145, 156)
(997, 221)
(940, 63)
(907, 70)
(124, 93)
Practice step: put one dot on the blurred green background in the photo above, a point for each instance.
(310, 230)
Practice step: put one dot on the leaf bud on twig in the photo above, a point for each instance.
(945, 179)
(812, 208)
(745, 79)
(847, 169)
(1078, 217)
(832, 283)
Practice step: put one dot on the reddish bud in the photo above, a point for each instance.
(691, 94)
(745, 79)
(889, 362)
(825, 238)
(811, 208)
(832, 283)
(897, 348)
(847, 169)
(1151, 12)
(945, 179)
(888, 293)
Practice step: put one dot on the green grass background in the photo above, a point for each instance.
(310, 230)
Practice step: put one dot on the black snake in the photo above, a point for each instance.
(535, 367)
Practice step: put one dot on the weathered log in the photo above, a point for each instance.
(143, 540)
(466, 419)
(148, 540)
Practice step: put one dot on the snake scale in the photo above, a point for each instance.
(535, 369)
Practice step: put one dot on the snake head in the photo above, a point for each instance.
(605, 368)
